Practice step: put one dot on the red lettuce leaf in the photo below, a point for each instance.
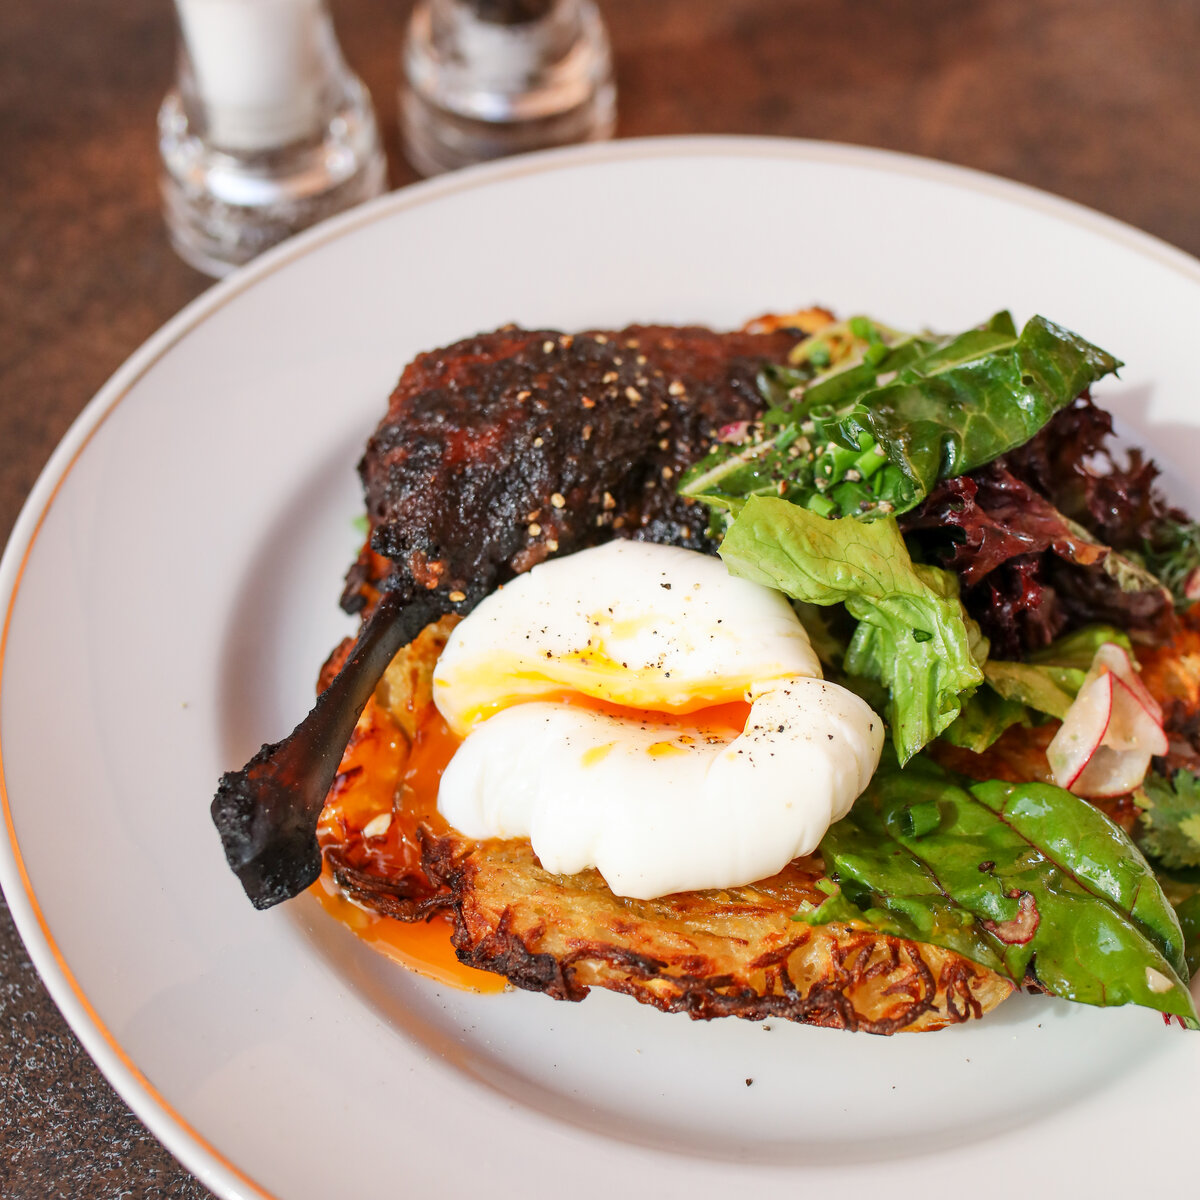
(1071, 463)
(999, 517)
(1029, 535)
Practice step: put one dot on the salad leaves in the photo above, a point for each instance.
(993, 530)
(912, 634)
(874, 438)
(1045, 689)
(1025, 879)
(1048, 683)
(984, 718)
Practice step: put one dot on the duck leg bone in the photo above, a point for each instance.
(267, 812)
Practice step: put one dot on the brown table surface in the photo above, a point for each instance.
(1096, 100)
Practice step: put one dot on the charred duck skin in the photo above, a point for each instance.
(504, 449)
(495, 453)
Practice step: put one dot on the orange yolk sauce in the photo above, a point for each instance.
(381, 775)
(386, 791)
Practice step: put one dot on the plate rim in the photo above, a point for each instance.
(180, 1138)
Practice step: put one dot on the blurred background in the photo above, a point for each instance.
(1095, 100)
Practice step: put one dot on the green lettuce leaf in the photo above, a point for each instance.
(824, 628)
(1050, 690)
(912, 635)
(1077, 649)
(984, 717)
(1048, 684)
(875, 437)
(1023, 878)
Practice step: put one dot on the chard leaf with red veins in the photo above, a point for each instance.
(875, 437)
(1026, 876)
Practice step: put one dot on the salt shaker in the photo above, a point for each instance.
(488, 78)
(266, 131)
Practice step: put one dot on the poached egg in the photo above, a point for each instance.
(636, 709)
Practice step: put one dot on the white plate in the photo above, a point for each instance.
(170, 591)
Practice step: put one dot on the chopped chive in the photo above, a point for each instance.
(852, 496)
(869, 462)
(841, 457)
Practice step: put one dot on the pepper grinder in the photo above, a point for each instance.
(266, 131)
(488, 78)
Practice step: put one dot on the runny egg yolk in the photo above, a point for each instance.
(630, 623)
(588, 694)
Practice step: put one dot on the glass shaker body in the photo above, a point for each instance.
(489, 78)
(266, 131)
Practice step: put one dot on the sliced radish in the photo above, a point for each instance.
(1083, 729)
(1118, 660)
(1132, 726)
(1111, 773)
(1110, 732)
